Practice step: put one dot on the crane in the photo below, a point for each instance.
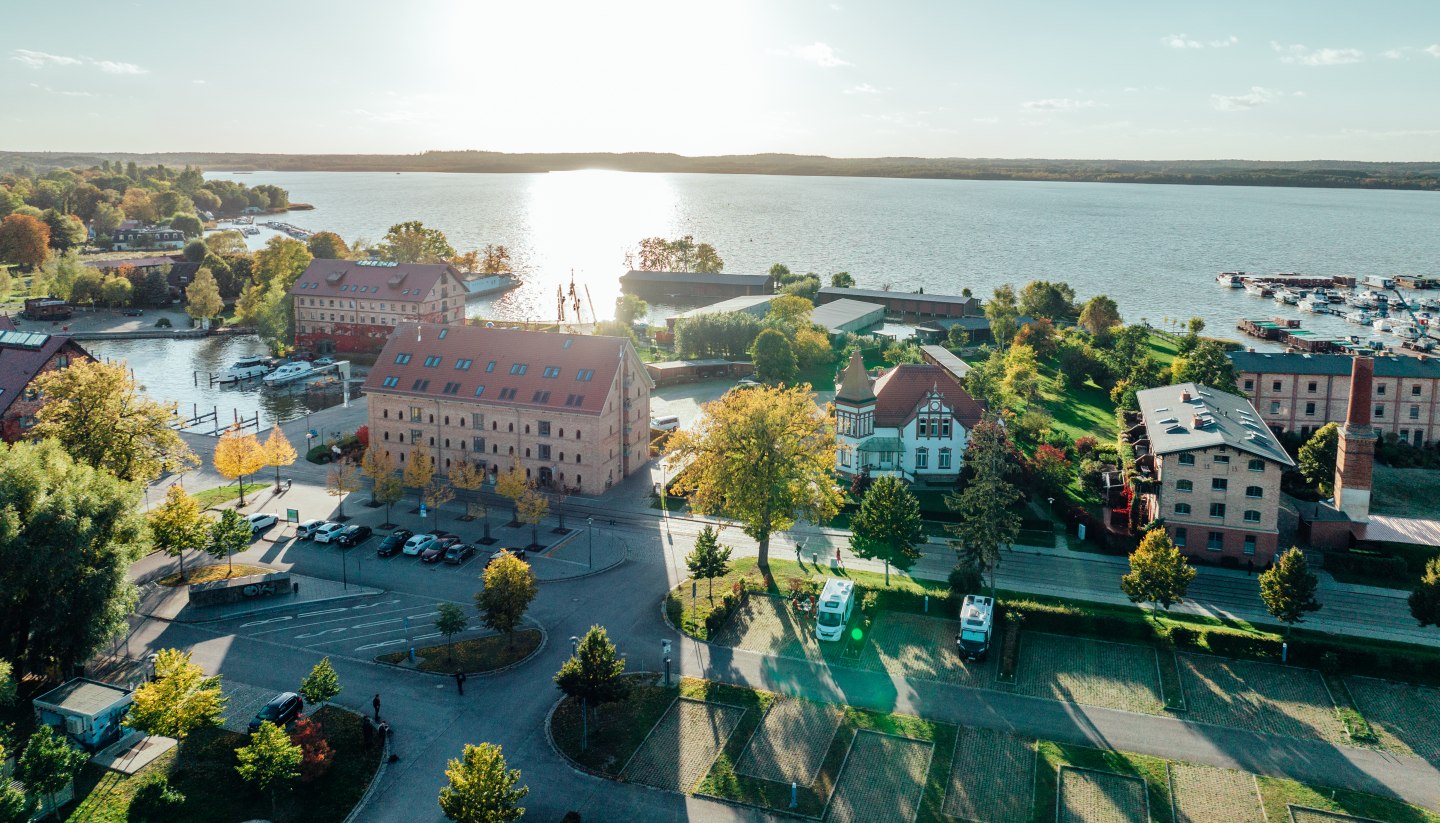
(1426, 341)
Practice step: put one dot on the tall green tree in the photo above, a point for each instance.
(1052, 301)
(49, 762)
(1158, 572)
(68, 536)
(322, 684)
(411, 242)
(630, 308)
(179, 700)
(229, 535)
(7, 685)
(842, 280)
(1002, 310)
(592, 674)
(96, 412)
(202, 298)
(1207, 364)
(1288, 589)
(327, 245)
(1318, 456)
(887, 526)
(178, 525)
(482, 789)
(709, 559)
(450, 620)
(1425, 600)
(509, 589)
(988, 520)
(774, 357)
(1099, 316)
(269, 761)
(763, 457)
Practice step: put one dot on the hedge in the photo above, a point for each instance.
(1372, 565)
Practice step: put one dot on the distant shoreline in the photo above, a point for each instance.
(1417, 176)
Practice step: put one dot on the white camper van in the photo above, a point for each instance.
(976, 621)
(837, 601)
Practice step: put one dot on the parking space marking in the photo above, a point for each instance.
(263, 622)
(376, 623)
(320, 633)
(379, 645)
(325, 611)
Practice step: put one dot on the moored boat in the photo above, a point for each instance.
(479, 285)
(1359, 317)
(246, 368)
(289, 373)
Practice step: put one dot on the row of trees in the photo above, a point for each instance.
(680, 254)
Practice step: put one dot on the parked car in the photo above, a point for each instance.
(281, 709)
(324, 361)
(352, 535)
(748, 383)
(328, 531)
(518, 554)
(435, 551)
(390, 546)
(419, 543)
(306, 530)
(260, 521)
(459, 553)
(134, 312)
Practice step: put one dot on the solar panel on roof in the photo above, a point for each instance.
(23, 339)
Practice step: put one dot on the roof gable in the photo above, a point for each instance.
(23, 355)
(899, 391)
(372, 280)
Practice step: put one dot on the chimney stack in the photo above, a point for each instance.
(1355, 457)
(1362, 389)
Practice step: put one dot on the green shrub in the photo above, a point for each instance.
(1185, 637)
(156, 802)
(1240, 644)
(1372, 565)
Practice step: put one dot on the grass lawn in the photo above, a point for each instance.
(1163, 349)
(1150, 769)
(1083, 410)
(1277, 794)
(203, 769)
(216, 571)
(480, 654)
(1406, 492)
(616, 729)
(224, 494)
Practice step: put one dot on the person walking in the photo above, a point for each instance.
(376, 704)
(460, 682)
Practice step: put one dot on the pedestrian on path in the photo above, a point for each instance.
(376, 704)
(460, 682)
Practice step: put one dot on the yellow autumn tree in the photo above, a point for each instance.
(419, 471)
(512, 483)
(278, 452)
(238, 455)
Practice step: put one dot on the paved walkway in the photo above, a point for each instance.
(173, 602)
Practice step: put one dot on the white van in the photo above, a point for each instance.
(976, 621)
(668, 423)
(837, 601)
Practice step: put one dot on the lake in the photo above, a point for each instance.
(1154, 248)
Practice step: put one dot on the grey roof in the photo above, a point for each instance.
(752, 303)
(697, 277)
(946, 359)
(899, 295)
(838, 313)
(1225, 420)
(1331, 364)
(83, 697)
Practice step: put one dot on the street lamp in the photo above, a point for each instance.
(590, 522)
(574, 645)
(150, 667)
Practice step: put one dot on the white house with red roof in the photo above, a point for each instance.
(353, 305)
(913, 421)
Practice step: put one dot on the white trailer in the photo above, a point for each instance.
(976, 622)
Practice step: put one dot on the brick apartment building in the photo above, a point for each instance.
(353, 305)
(23, 357)
(574, 409)
(1302, 392)
(1208, 466)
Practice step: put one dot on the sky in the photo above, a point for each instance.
(950, 78)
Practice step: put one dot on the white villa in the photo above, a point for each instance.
(911, 422)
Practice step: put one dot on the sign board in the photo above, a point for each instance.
(292, 515)
(422, 509)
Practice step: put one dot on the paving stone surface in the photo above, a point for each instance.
(882, 780)
(991, 777)
(1101, 797)
(683, 745)
(1406, 717)
(1093, 672)
(790, 743)
(912, 645)
(765, 625)
(1259, 697)
(1302, 814)
(1204, 794)
(244, 701)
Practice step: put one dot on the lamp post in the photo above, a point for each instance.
(574, 645)
(590, 523)
(150, 667)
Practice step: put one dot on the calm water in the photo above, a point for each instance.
(1155, 249)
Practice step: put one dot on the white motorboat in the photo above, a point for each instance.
(1406, 332)
(1430, 304)
(1258, 288)
(1286, 297)
(289, 373)
(1359, 317)
(246, 368)
(1315, 304)
(1383, 324)
(1363, 299)
(1231, 279)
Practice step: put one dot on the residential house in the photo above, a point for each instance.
(147, 237)
(573, 409)
(353, 305)
(23, 357)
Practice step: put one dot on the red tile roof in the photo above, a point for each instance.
(372, 280)
(899, 391)
(581, 368)
(23, 355)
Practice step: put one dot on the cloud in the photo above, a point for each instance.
(112, 67)
(1304, 56)
(40, 59)
(198, 82)
(1258, 96)
(1224, 43)
(1433, 50)
(1180, 41)
(1393, 54)
(818, 53)
(991, 120)
(863, 88)
(1058, 104)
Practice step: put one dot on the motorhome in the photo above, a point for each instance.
(837, 601)
(976, 621)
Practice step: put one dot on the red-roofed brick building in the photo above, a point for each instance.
(353, 305)
(575, 409)
(23, 357)
(911, 422)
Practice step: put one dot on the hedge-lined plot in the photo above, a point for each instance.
(1205, 794)
(1260, 697)
(882, 779)
(911, 645)
(991, 777)
(1088, 796)
(1407, 717)
(1304, 814)
(790, 742)
(683, 744)
(765, 625)
(1093, 672)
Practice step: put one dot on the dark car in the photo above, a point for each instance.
(281, 709)
(134, 313)
(437, 550)
(351, 535)
(518, 554)
(459, 553)
(391, 545)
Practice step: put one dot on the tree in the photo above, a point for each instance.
(1318, 456)
(450, 621)
(1021, 382)
(24, 240)
(1288, 588)
(280, 264)
(887, 526)
(238, 455)
(411, 242)
(154, 290)
(470, 477)
(179, 700)
(707, 260)
(7, 686)
(107, 219)
(386, 487)
(1207, 364)
(763, 457)
(1002, 312)
(188, 225)
(1158, 572)
(509, 588)
(229, 534)
(96, 412)
(316, 755)
(340, 481)
(494, 259)
(1051, 468)
(322, 684)
(419, 471)
(278, 452)
(66, 230)
(49, 762)
(178, 525)
(630, 308)
(592, 674)
(842, 280)
(512, 484)
(15, 807)
(327, 245)
(1100, 315)
(68, 536)
(957, 337)
(988, 521)
(531, 508)
(269, 761)
(387, 491)
(227, 242)
(709, 559)
(1424, 601)
(1042, 298)
(202, 298)
(774, 357)
(195, 251)
(116, 290)
(482, 789)
(435, 495)
(807, 287)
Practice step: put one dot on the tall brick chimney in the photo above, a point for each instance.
(1355, 459)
